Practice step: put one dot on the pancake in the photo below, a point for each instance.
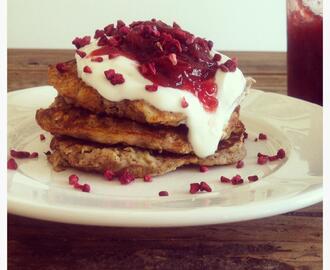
(92, 157)
(64, 119)
(75, 91)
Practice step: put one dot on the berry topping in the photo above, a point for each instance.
(224, 179)
(237, 180)
(102, 41)
(194, 188)
(151, 87)
(99, 33)
(262, 160)
(42, 137)
(205, 187)
(231, 65)
(168, 56)
(87, 69)
(113, 77)
(11, 164)
(203, 169)
(217, 57)
(19, 154)
(108, 174)
(147, 178)
(34, 155)
(86, 188)
(281, 153)
(253, 178)
(184, 103)
(81, 53)
(109, 30)
(81, 42)
(97, 59)
(273, 158)
(240, 164)
(61, 68)
(163, 193)
(126, 177)
(224, 68)
(262, 136)
(73, 179)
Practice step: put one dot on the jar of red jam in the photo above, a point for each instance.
(305, 49)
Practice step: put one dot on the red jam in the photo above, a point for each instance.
(305, 53)
(168, 56)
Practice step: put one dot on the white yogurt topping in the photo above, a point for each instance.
(205, 128)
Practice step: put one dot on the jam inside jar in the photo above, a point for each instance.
(305, 50)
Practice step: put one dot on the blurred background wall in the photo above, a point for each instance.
(238, 25)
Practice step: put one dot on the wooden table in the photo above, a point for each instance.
(289, 241)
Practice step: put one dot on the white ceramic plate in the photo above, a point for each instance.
(36, 191)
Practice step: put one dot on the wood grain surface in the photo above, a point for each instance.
(284, 242)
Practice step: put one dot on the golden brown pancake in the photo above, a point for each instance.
(75, 91)
(64, 119)
(92, 157)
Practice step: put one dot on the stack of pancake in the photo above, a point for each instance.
(95, 134)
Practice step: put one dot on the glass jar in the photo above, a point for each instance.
(305, 49)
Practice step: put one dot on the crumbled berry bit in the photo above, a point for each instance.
(256, 139)
(151, 87)
(240, 164)
(97, 59)
(217, 57)
(87, 69)
(113, 77)
(109, 30)
(47, 153)
(11, 164)
(81, 53)
(61, 68)
(108, 174)
(147, 178)
(262, 155)
(203, 169)
(120, 24)
(231, 65)
(102, 41)
(273, 158)
(81, 42)
(19, 154)
(224, 68)
(34, 155)
(109, 73)
(98, 33)
(262, 160)
(205, 187)
(112, 42)
(262, 136)
(281, 153)
(163, 193)
(253, 178)
(237, 180)
(73, 179)
(224, 179)
(86, 188)
(194, 188)
(126, 177)
(42, 137)
(184, 103)
(78, 186)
